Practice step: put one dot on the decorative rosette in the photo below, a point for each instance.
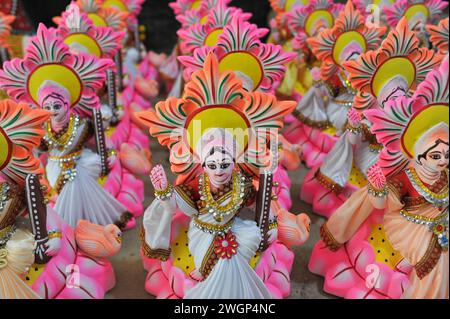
(47, 58)
(399, 64)
(239, 49)
(404, 120)
(21, 129)
(207, 34)
(348, 38)
(305, 21)
(415, 11)
(216, 100)
(103, 42)
(439, 35)
(5, 27)
(226, 246)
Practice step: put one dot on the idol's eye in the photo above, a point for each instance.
(47, 107)
(57, 107)
(435, 156)
(224, 165)
(212, 166)
(446, 156)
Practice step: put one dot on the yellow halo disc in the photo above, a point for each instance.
(85, 41)
(213, 37)
(97, 20)
(217, 116)
(391, 68)
(116, 4)
(415, 9)
(56, 73)
(314, 17)
(422, 122)
(196, 4)
(290, 3)
(343, 40)
(245, 63)
(6, 149)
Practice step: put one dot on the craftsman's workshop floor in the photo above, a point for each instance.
(130, 274)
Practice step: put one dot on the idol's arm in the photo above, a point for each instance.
(156, 230)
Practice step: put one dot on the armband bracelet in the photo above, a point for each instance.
(273, 225)
(165, 193)
(353, 129)
(378, 192)
(55, 233)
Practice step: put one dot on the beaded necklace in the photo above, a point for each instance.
(65, 140)
(213, 207)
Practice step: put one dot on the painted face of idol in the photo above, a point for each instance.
(219, 166)
(58, 106)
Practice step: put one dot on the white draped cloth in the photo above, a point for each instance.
(15, 260)
(338, 163)
(82, 197)
(230, 278)
(312, 105)
(337, 111)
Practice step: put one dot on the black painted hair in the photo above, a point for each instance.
(56, 96)
(218, 149)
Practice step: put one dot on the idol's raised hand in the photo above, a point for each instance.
(158, 178)
(377, 186)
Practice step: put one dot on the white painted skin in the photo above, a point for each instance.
(219, 167)
(59, 109)
(436, 160)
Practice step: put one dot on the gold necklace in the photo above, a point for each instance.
(66, 138)
(213, 207)
(417, 182)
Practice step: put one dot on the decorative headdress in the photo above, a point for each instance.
(439, 35)
(183, 6)
(47, 61)
(282, 7)
(415, 11)
(349, 30)
(399, 56)
(304, 20)
(131, 7)
(21, 129)
(103, 42)
(240, 50)
(207, 34)
(101, 17)
(5, 27)
(404, 121)
(190, 12)
(216, 100)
